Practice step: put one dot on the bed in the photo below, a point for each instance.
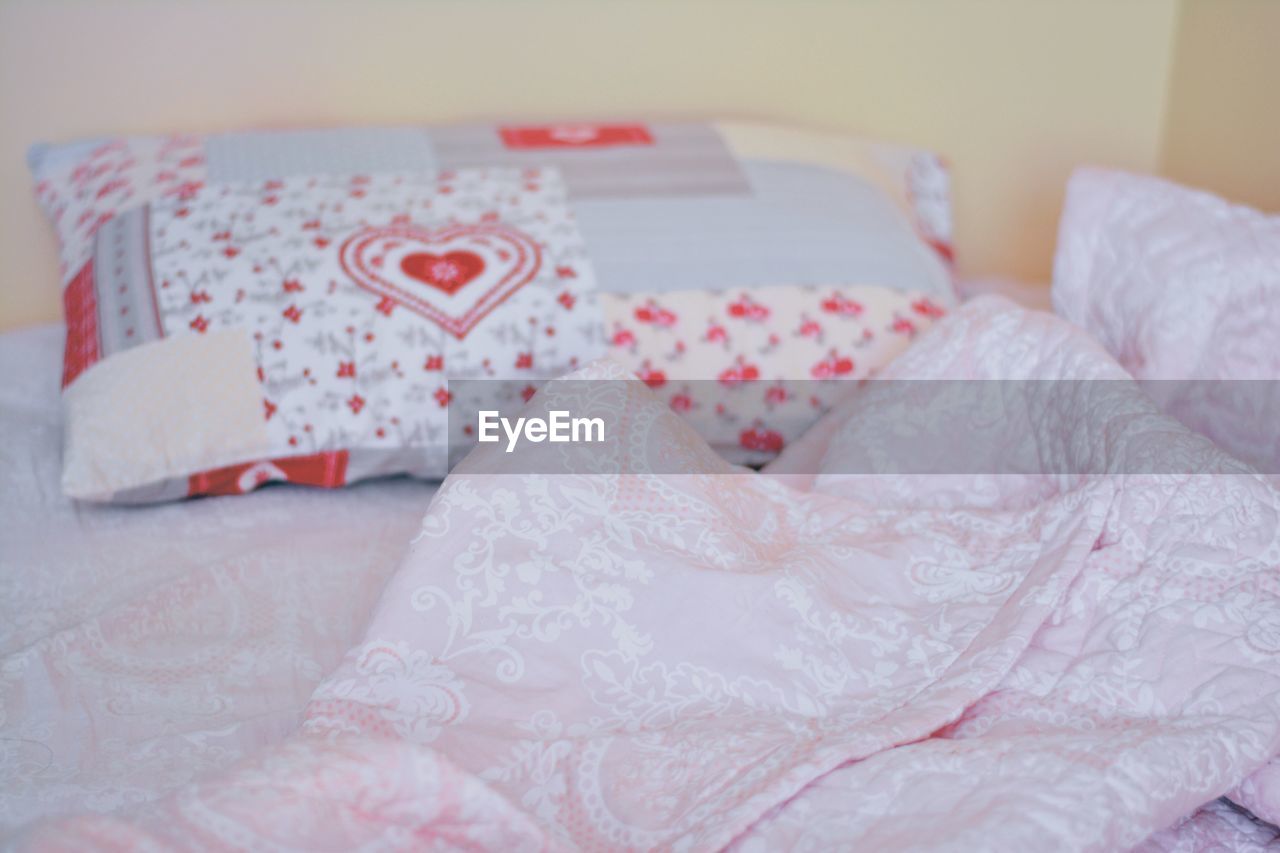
(520, 660)
(137, 662)
(162, 705)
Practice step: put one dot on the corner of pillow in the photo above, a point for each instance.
(162, 410)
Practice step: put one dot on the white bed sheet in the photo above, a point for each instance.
(143, 646)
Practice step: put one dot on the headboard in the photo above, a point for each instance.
(1013, 93)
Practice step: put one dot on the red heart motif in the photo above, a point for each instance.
(428, 270)
(449, 272)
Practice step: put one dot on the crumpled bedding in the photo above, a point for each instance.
(1260, 793)
(603, 661)
(1179, 284)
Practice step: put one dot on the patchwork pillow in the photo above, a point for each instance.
(1183, 288)
(291, 305)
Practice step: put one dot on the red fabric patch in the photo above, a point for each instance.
(448, 272)
(80, 306)
(575, 135)
(327, 470)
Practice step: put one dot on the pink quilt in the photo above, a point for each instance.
(604, 661)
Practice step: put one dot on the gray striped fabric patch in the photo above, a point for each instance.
(127, 313)
(259, 156)
(800, 225)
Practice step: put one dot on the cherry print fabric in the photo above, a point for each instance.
(729, 361)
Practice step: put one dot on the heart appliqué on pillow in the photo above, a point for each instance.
(448, 272)
(453, 276)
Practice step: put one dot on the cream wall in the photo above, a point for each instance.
(1014, 92)
(1223, 127)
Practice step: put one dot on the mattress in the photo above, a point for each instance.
(141, 647)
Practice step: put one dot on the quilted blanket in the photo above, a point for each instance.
(1077, 657)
